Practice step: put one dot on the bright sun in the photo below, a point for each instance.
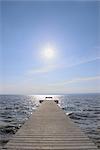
(48, 52)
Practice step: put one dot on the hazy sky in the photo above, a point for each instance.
(71, 28)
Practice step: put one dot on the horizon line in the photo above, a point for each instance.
(50, 93)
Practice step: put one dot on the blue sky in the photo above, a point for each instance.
(70, 27)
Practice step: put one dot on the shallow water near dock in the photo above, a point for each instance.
(83, 109)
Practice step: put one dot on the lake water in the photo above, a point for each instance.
(83, 109)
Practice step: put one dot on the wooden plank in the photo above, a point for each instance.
(50, 128)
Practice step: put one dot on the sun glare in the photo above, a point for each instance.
(48, 52)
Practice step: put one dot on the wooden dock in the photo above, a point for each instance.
(50, 129)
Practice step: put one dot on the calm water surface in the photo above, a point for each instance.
(83, 109)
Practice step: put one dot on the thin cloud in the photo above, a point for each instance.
(59, 87)
(45, 69)
(82, 62)
(76, 80)
(50, 68)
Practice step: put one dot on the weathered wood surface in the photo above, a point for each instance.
(50, 128)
